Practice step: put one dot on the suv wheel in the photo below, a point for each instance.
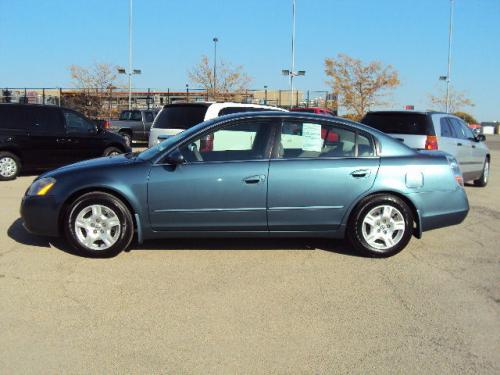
(10, 166)
(112, 151)
(127, 137)
(483, 180)
(380, 226)
(99, 225)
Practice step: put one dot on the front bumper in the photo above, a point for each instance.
(40, 215)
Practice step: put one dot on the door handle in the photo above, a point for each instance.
(473, 146)
(254, 179)
(360, 173)
(459, 144)
(61, 140)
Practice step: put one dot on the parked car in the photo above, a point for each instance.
(175, 118)
(437, 131)
(37, 137)
(317, 110)
(293, 180)
(133, 125)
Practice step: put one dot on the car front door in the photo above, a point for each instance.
(318, 170)
(222, 186)
(81, 137)
(478, 153)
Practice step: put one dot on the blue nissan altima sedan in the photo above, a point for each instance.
(253, 174)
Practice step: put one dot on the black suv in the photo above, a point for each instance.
(37, 137)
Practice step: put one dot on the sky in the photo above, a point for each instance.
(42, 38)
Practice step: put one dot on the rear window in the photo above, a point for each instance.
(399, 123)
(180, 117)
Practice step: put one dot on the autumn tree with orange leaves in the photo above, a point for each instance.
(359, 86)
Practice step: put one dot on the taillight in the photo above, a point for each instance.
(431, 142)
(106, 124)
(207, 143)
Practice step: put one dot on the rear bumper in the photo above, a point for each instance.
(449, 209)
(40, 215)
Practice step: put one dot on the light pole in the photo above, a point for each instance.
(265, 94)
(215, 40)
(450, 34)
(130, 73)
(292, 73)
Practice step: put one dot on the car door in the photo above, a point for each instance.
(478, 154)
(81, 137)
(318, 171)
(464, 148)
(221, 188)
(447, 140)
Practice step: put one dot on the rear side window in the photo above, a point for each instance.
(44, 120)
(180, 117)
(399, 123)
(12, 117)
(136, 116)
(446, 129)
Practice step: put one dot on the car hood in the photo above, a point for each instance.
(99, 163)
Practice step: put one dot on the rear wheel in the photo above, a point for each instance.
(483, 180)
(380, 226)
(99, 225)
(10, 166)
(112, 151)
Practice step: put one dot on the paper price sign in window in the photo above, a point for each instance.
(311, 135)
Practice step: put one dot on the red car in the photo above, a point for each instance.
(318, 110)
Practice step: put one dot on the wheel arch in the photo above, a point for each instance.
(417, 230)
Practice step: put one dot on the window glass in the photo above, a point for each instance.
(458, 128)
(136, 116)
(365, 146)
(312, 140)
(399, 123)
(180, 116)
(243, 141)
(76, 124)
(125, 115)
(12, 117)
(468, 131)
(149, 117)
(446, 130)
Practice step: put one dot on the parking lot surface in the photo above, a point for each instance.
(254, 306)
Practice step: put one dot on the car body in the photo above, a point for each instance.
(437, 131)
(134, 125)
(40, 137)
(292, 180)
(317, 110)
(175, 118)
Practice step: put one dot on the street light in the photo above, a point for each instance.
(450, 33)
(130, 73)
(291, 72)
(215, 40)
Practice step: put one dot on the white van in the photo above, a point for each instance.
(174, 118)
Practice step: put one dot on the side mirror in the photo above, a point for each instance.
(174, 157)
(480, 138)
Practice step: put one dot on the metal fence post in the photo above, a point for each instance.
(279, 98)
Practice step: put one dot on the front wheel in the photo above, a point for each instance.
(112, 151)
(380, 226)
(99, 225)
(9, 166)
(483, 180)
(127, 137)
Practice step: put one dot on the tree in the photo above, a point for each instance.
(229, 78)
(359, 86)
(467, 117)
(94, 84)
(458, 100)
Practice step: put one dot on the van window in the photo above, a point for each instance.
(180, 116)
(44, 120)
(399, 123)
(12, 117)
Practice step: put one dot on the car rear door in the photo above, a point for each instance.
(447, 140)
(215, 190)
(318, 170)
(464, 148)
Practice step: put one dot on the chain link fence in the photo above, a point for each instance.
(108, 103)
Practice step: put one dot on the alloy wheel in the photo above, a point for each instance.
(383, 227)
(8, 167)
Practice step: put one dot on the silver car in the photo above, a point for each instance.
(437, 131)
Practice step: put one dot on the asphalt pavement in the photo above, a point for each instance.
(254, 306)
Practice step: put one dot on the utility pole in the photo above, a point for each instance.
(450, 34)
(130, 55)
(215, 40)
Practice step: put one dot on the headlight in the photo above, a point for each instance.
(41, 187)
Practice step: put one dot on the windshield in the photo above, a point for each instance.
(180, 116)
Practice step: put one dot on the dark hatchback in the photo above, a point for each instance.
(38, 137)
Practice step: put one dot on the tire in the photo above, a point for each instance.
(98, 212)
(380, 225)
(127, 137)
(112, 151)
(10, 166)
(485, 176)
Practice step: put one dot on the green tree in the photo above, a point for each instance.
(467, 117)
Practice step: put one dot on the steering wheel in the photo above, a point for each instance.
(194, 149)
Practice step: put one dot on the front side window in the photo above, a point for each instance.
(457, 128)
(249, 140)
(136, 116)
(313, 140)
(149, 117)
(76, 124)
